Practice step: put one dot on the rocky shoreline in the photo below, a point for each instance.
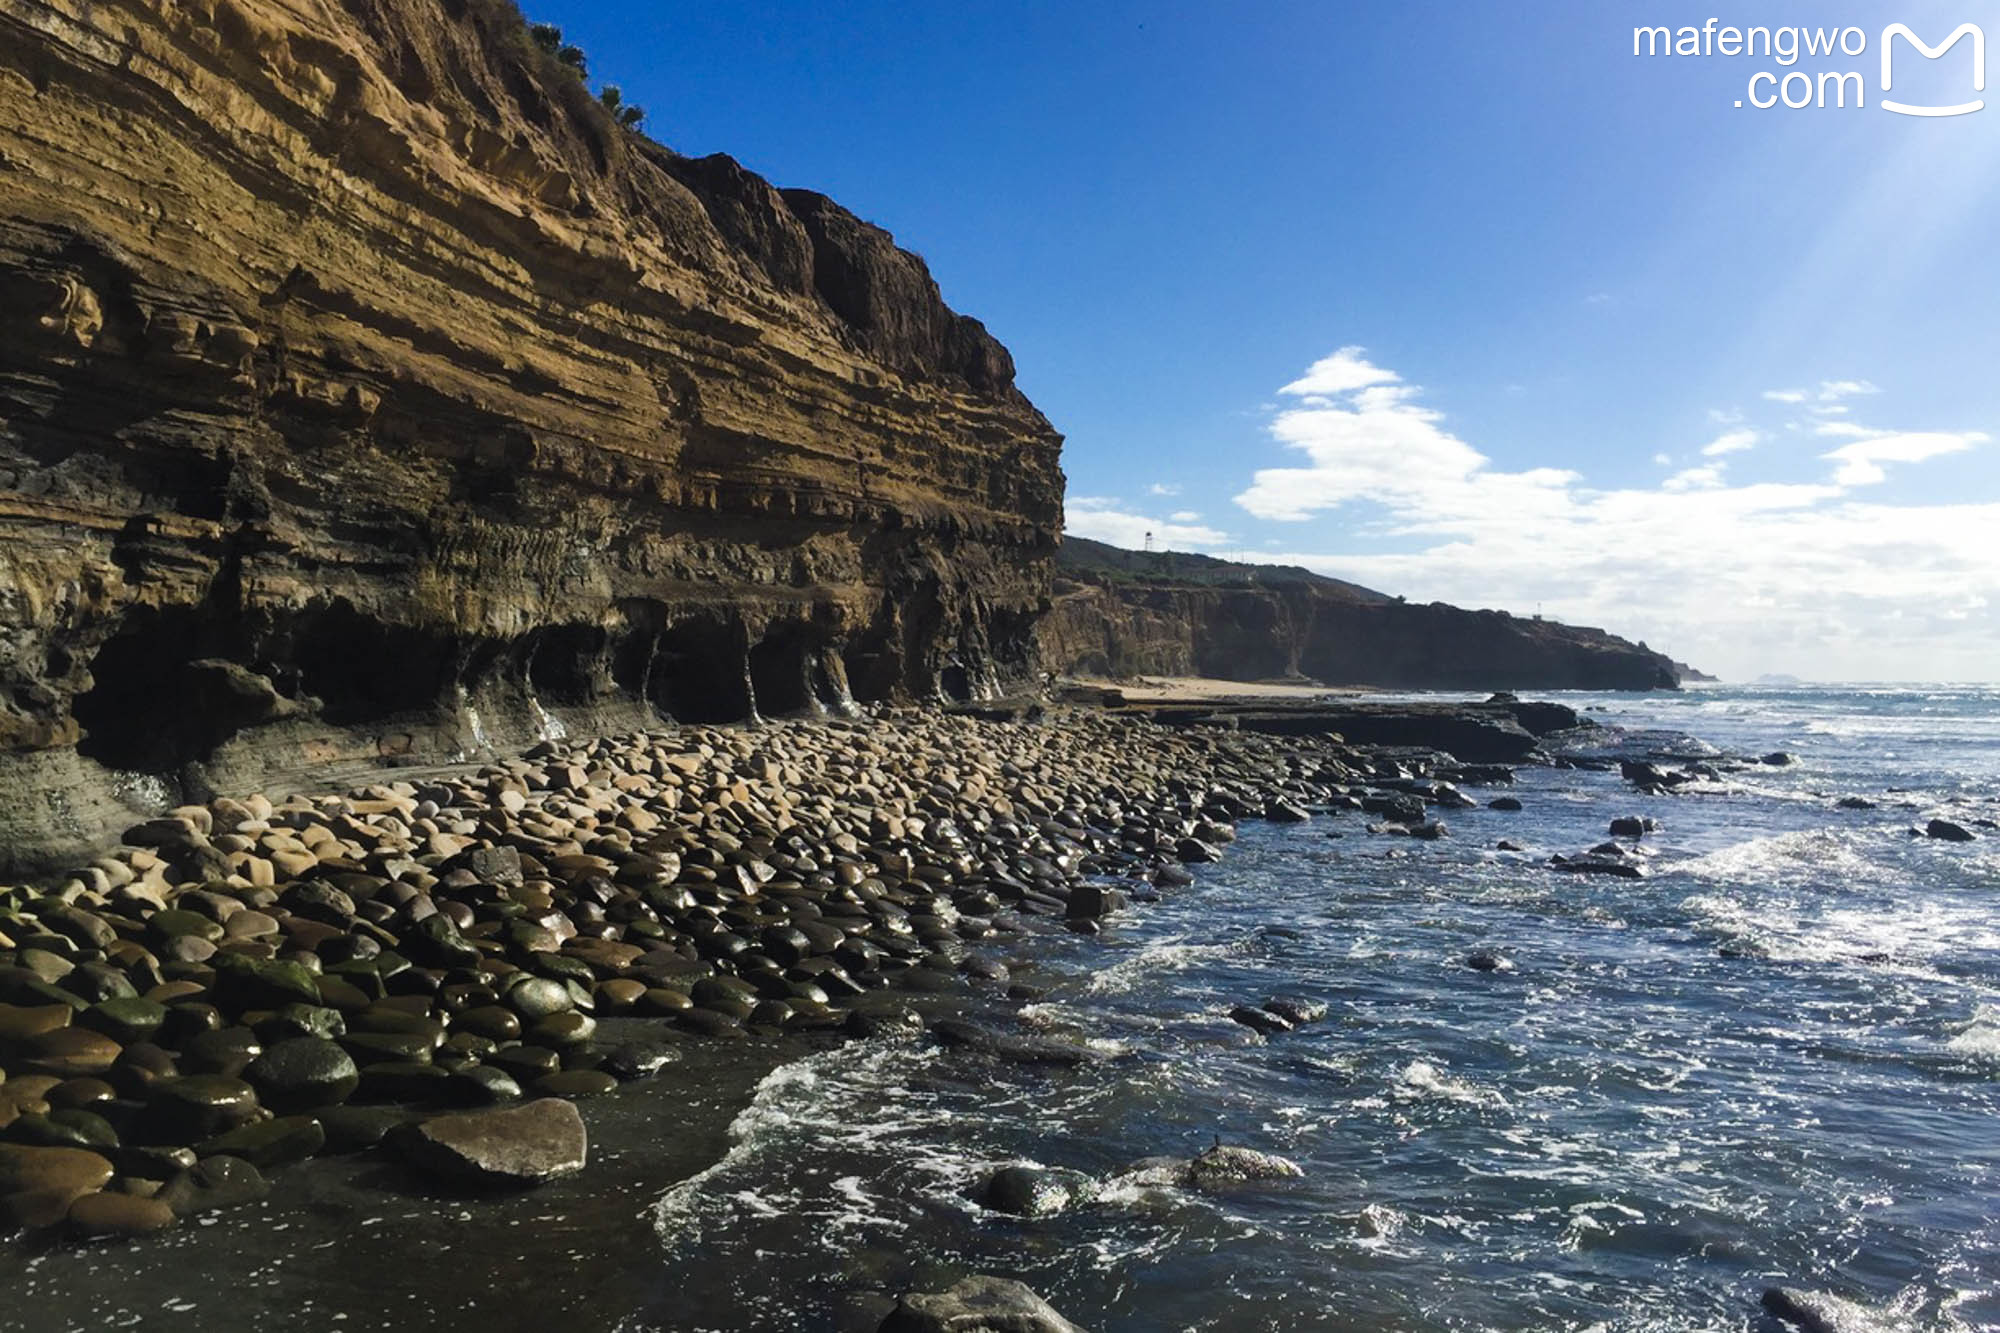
(249, 983)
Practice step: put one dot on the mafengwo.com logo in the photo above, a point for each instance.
(1816, 85)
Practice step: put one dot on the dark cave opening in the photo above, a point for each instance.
(698, 672)
(779, 680)
(567, 663)
(361, 669)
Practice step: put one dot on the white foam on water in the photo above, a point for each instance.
(1422, 1080)
(857, 1101)
(1154, 960)
(1979, 1038)
(1789, 858)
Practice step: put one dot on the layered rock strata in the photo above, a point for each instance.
(367, 395)
(1122, 613)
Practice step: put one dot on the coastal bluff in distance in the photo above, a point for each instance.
(368, 395)
(1122, 613)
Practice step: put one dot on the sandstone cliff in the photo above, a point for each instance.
(366, 394)
(1121, 613)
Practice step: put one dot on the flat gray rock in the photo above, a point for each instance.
(528, 1145)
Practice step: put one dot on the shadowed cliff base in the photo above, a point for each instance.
(1122, 613)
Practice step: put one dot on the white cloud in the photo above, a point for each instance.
(1105, 519)
(1664, 460)
(1832, 391)
(1795, 575)
(1185, 516)
(1861, 462)
(1695, 478)
(1731, 442)
(1164, 488)
(1343, 372)
(1785, 395)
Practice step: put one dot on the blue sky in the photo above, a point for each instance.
(1606, 330)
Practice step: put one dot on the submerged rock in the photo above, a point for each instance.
(980, 1304)
(1035, 1191)
(1222, 1165)
(1946, 831)
(1257, 1020)
(1818, 1312)
(1296, 1010)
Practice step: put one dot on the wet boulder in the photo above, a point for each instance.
(1035, 1191)
(1946, 831)
(979, 1304)
(1817, 1312)
(529, 1145)
(1259, 1021)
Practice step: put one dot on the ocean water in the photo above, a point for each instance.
(1774, 1060)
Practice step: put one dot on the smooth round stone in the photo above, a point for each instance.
(402, 1081)
(139, 1066)
(355, 1128)
(187, 1020)
(172, 992)
(215, 1182)
(343, 996)
(388, 1019)
(34, 1169)
(538, 997)
(79, 1094)
(195, 1107)
(620, 995)
(263, 983)
(664, 1002)
(63, 1129)
(151, 1163)
(525, 1063)
(226, 1051)
(489, 1021)
(250, 925)
(270, 1143)
(576, 1083)
(187, 949)
(469, 1045)
(562, 1030)
(47, 964)
(401, 1047)
(712, 991)
(20, 1022)
(303, 1073)
(112, 1215)
(482, 1085)
(176, 922)
(710, 1023)
(71, 1052)
(302, 1020)
(125, 1020)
